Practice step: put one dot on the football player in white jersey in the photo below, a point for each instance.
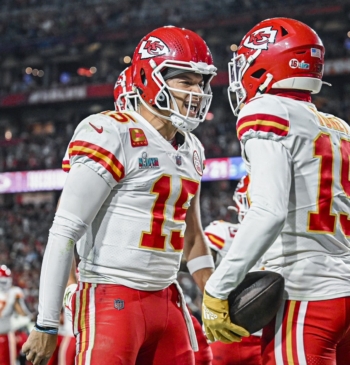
(11, 302)
(132, 197)
(125, 99)
(298, 161)
(220, 235)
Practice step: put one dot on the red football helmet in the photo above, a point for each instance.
(124, 96)
(278, 53)
(240, 198)
(165, 53)
(5, 278)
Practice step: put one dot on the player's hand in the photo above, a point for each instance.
(39, 347)
(217, 323)
(67, 300)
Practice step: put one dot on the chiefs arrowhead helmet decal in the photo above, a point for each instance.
(261, 38)
(153, 47)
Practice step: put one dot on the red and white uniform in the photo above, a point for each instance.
(152, 186)
(220, 235)
(134, 241)
(7, 338)
(298, 161)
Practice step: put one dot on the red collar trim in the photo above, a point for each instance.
(292, 94)
(173, 142)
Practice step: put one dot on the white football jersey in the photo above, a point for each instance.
(137, 237)
(7, 307)
(219, 236)
(314, 251)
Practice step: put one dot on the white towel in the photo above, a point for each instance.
(188, 319)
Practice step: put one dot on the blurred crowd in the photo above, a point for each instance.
(54, 20)
(57, 38)
(35, 151)
(23, 235)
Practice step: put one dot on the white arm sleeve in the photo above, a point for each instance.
(269, 194)
(77, 209)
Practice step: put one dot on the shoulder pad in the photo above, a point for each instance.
(217, 233)
(97, 143)
(263, 117)
(120, 117)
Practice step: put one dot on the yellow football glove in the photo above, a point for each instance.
(217, 323)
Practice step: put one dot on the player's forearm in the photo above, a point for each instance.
(249, 245)
(200, 262)
(201, 277)
(65, 231)
(269, 192)
(53, 279)
(196, 246)
(77, 209)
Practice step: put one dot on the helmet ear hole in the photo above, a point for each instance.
(143, 77)
(257, 74)
(162, 99)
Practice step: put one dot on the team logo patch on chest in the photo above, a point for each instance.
(137, 137)
(146, 162)
(197, 163)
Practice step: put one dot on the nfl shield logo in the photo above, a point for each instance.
(119, 304)
(178, 160)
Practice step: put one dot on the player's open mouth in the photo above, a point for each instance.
(194, 106)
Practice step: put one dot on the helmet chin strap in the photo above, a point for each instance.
(150, 109)
(181, 123)
(263, 87)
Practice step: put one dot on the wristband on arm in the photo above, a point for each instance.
(48, 330)
(200, 262)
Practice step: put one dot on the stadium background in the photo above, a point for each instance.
(59, 62)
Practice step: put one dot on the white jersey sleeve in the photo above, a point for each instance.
(298, 160)
(263, 222)
(97, 143)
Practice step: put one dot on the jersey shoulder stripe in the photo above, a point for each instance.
(215, 240)
(65, 165)
(99, 155)
(266, 123)
(120, 117)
